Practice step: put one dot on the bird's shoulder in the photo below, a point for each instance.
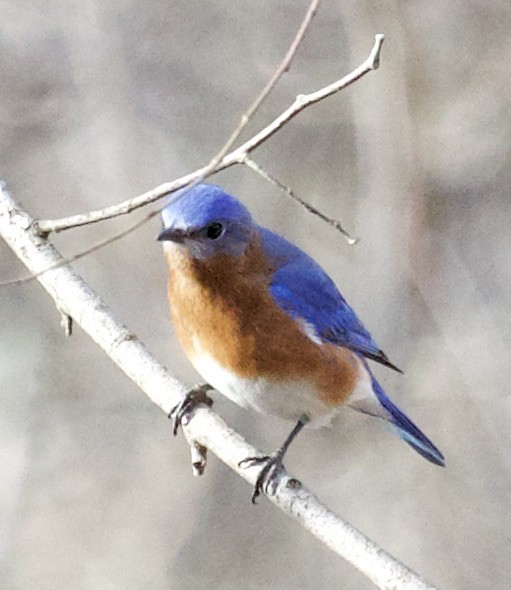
(296, 273)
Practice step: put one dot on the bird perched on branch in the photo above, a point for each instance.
(265, 325)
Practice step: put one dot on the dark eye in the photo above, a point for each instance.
(214, 231)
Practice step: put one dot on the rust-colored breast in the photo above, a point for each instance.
(222, 306)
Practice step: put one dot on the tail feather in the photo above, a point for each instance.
(407, 430)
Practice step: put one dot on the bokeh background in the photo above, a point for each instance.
(100, 101)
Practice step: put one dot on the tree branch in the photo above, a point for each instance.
(45, 227)
(239, 156)
(125, 232)
(204, 429)
(254, 107)
(91, 249)
(335, 223)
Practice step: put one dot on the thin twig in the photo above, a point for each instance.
(282, 69)
(204, 428)
(114, 238)
(98, 246)
(253, 108)
(46, 227)
(335, 223)
(237, 156)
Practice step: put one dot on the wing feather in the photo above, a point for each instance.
(303, 289)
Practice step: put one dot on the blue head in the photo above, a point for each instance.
(206, 221)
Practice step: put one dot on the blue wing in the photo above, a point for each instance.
(304, 290)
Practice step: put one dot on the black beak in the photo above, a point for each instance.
(172, 235)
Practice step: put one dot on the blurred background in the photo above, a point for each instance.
(100, 101)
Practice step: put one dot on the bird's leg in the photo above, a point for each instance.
(196, 395)
(267, 479)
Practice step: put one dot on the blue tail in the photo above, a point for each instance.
(407, 430)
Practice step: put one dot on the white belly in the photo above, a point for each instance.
(284, 399)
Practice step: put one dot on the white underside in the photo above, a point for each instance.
(285, 399)
(363, 399)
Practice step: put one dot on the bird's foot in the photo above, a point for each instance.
(196, 395)
(268, 478)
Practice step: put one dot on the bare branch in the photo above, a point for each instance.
(44, 227)
(239, 156)
(303, 101)
(254, 107)
(336, 224)
(129, 230)
(204, 429)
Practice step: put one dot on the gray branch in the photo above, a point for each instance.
(204, 429)
(45, 227)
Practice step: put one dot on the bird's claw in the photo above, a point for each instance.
(267, 480)
(196, 395)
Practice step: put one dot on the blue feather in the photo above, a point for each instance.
(303, 289)
(407, 430)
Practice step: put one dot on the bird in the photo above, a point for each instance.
(265, 325)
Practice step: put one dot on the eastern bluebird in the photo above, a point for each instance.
(265, 325)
